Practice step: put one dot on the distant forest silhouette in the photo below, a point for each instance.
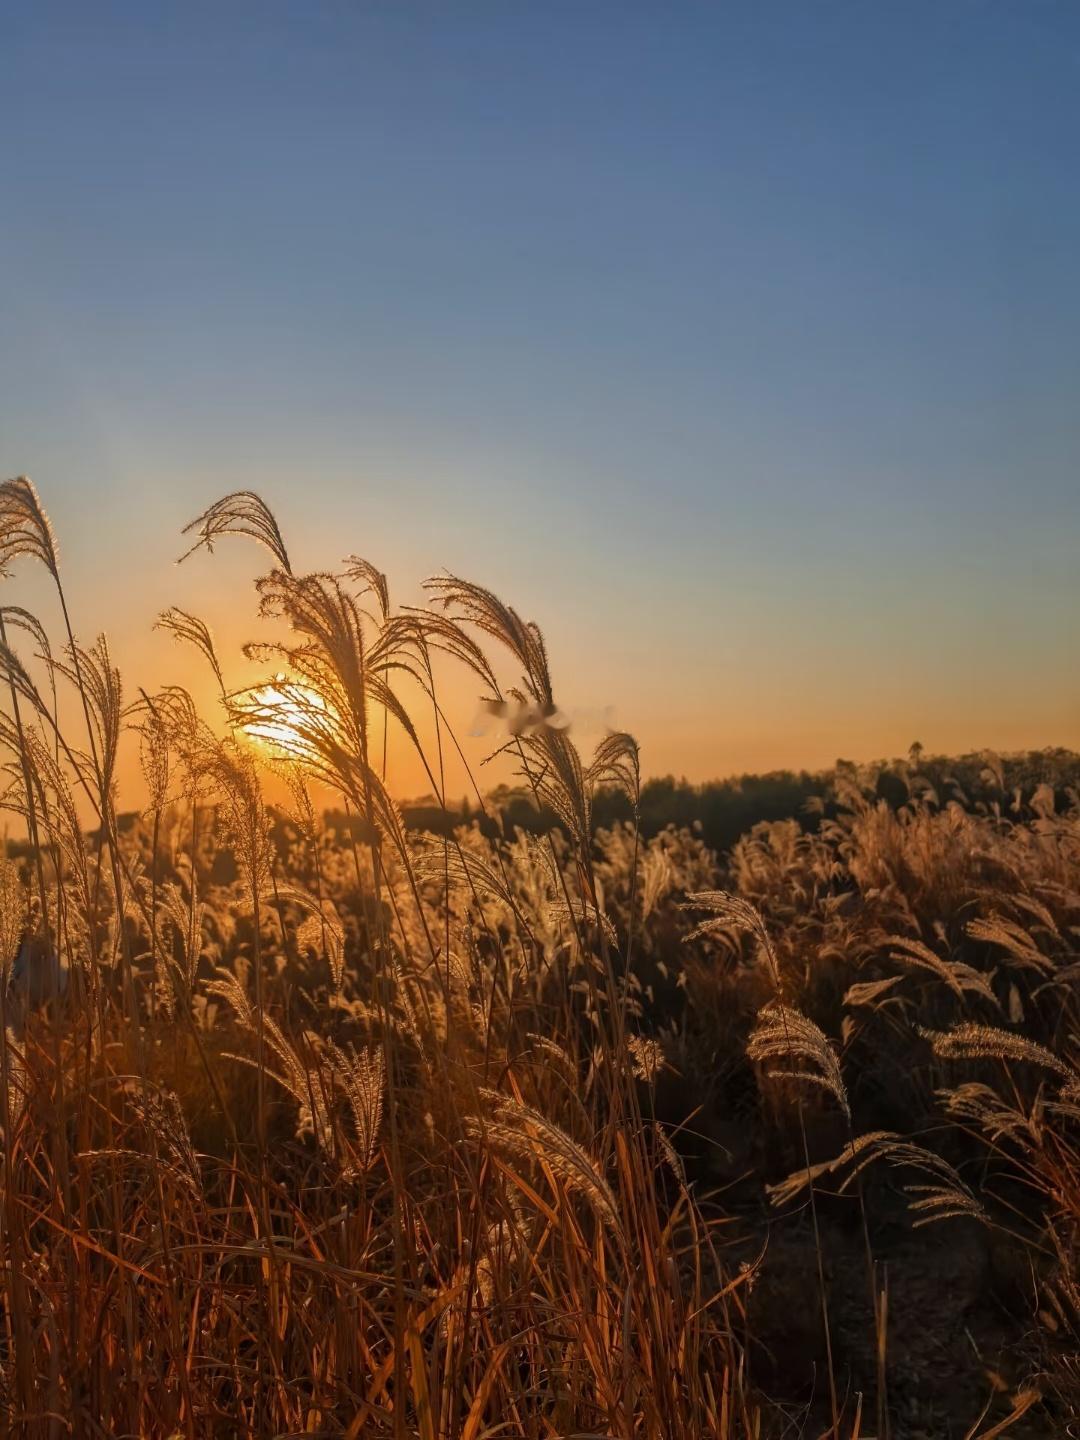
(723, 810)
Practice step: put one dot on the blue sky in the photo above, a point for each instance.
(737, 344)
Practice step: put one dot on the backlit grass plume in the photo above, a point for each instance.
(783, 1036)
(241, 513)
(24, 526)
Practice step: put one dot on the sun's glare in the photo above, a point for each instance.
(282, 716)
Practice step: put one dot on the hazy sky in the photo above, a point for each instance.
(737, 344)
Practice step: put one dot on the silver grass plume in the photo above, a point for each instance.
(320, 932)
(240, 513)
(550, 763)
(731, 912)
(617, 761)
(986, 1042)
(189, 628)
(155, 755)
(243, 812)
(24, 526)
(360, 1076)
(371, 580)
(946, 1196)
(869, 992)
(524, 1133)
(92, 671)
(1022, 951)
(960, 978)
(13, 913)
(785, 1034)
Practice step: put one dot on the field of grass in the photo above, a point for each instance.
(318, 1124)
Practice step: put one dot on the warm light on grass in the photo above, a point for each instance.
(395, 1117)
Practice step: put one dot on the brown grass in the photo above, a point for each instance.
(396, 1135)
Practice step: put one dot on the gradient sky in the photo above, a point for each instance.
(737, 344)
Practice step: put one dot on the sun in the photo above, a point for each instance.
(282, 716)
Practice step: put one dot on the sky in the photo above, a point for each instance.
(737, 344)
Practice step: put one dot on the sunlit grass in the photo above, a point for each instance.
(360, 1132)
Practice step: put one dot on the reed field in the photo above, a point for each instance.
(316, 1123)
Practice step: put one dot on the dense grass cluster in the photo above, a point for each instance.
(345, 1129)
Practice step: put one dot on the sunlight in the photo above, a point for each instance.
(283, 717)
